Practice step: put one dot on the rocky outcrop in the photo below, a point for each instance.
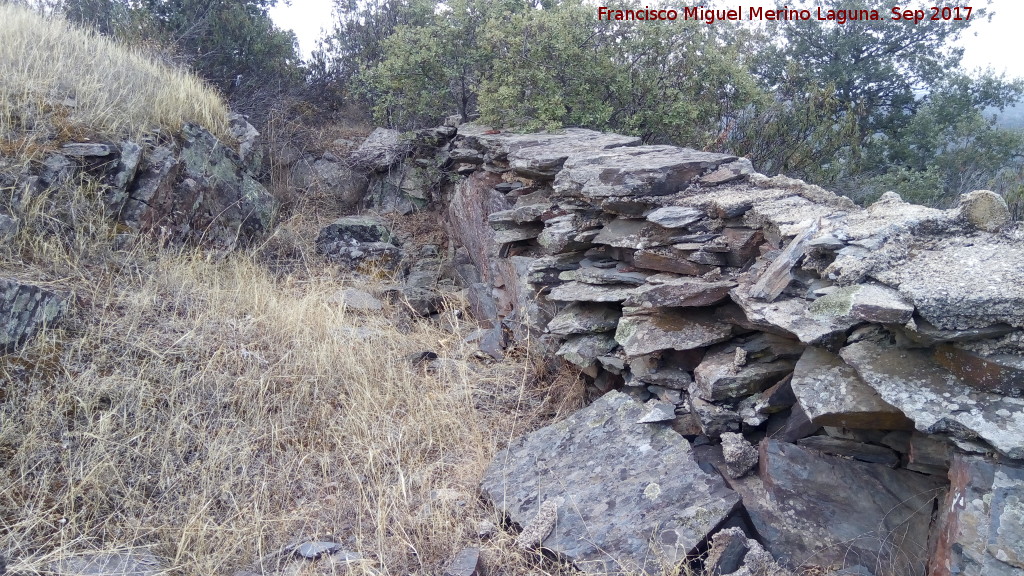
(186, 187)
(359, 242)
(862, 349)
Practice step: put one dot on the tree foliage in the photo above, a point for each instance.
(550, 64)
(871, 105)
(233, 44)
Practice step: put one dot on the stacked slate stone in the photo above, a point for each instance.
(872, 353)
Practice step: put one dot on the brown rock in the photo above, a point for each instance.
(999, 373)
(668, 260)
(981, 522)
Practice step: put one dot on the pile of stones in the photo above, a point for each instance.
(868, 361)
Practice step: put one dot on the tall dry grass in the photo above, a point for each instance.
(216, 414)
(60, 81)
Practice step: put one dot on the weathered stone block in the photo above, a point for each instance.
(630, 496)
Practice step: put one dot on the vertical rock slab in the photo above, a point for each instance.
(813, 509)
(24, 310)
(629, 496)
(981, 524)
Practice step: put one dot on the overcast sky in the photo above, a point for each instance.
(997, 44)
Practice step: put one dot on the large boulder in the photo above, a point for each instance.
(813, 509)
(382, 149)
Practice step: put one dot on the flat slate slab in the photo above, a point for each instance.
(936, 400)
(832, 394)
(666, 329)
(635, 171)
(629, 496)
(544, 160)
(962, 283)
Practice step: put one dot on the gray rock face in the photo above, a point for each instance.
(544, 160)
(660, 501)
(865, 302)
(583, 292)
(675, 216)
(248, 139)
(720, 378)
(382, 149)
(936, 400)
(515, 148)
(832, 394)
(585, 318)
(331, 177)
(202, 192)
(635, 171)
(669, 330)
(583, 350)
(129, 563)
(24, 310)
(359, 240)
(680, 292)
(987, 288)
(792, 316)
(822, 510)
(981, 524)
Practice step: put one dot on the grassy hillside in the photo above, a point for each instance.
(205, 408)
(58, 81)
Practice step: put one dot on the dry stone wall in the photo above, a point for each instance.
(862, 357)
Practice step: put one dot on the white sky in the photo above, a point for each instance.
(998, 44)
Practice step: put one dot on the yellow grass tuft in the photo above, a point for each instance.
(58, 81)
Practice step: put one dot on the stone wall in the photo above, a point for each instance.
(871, 354)
(186, 187)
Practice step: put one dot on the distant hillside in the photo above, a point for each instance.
(1010, 119)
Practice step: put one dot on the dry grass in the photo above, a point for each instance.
(59, 82)
(216, 415)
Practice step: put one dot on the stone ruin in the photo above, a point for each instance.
(786, 381)
(779, 369)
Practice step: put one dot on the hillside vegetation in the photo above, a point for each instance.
(202, 407)
(61, 81)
